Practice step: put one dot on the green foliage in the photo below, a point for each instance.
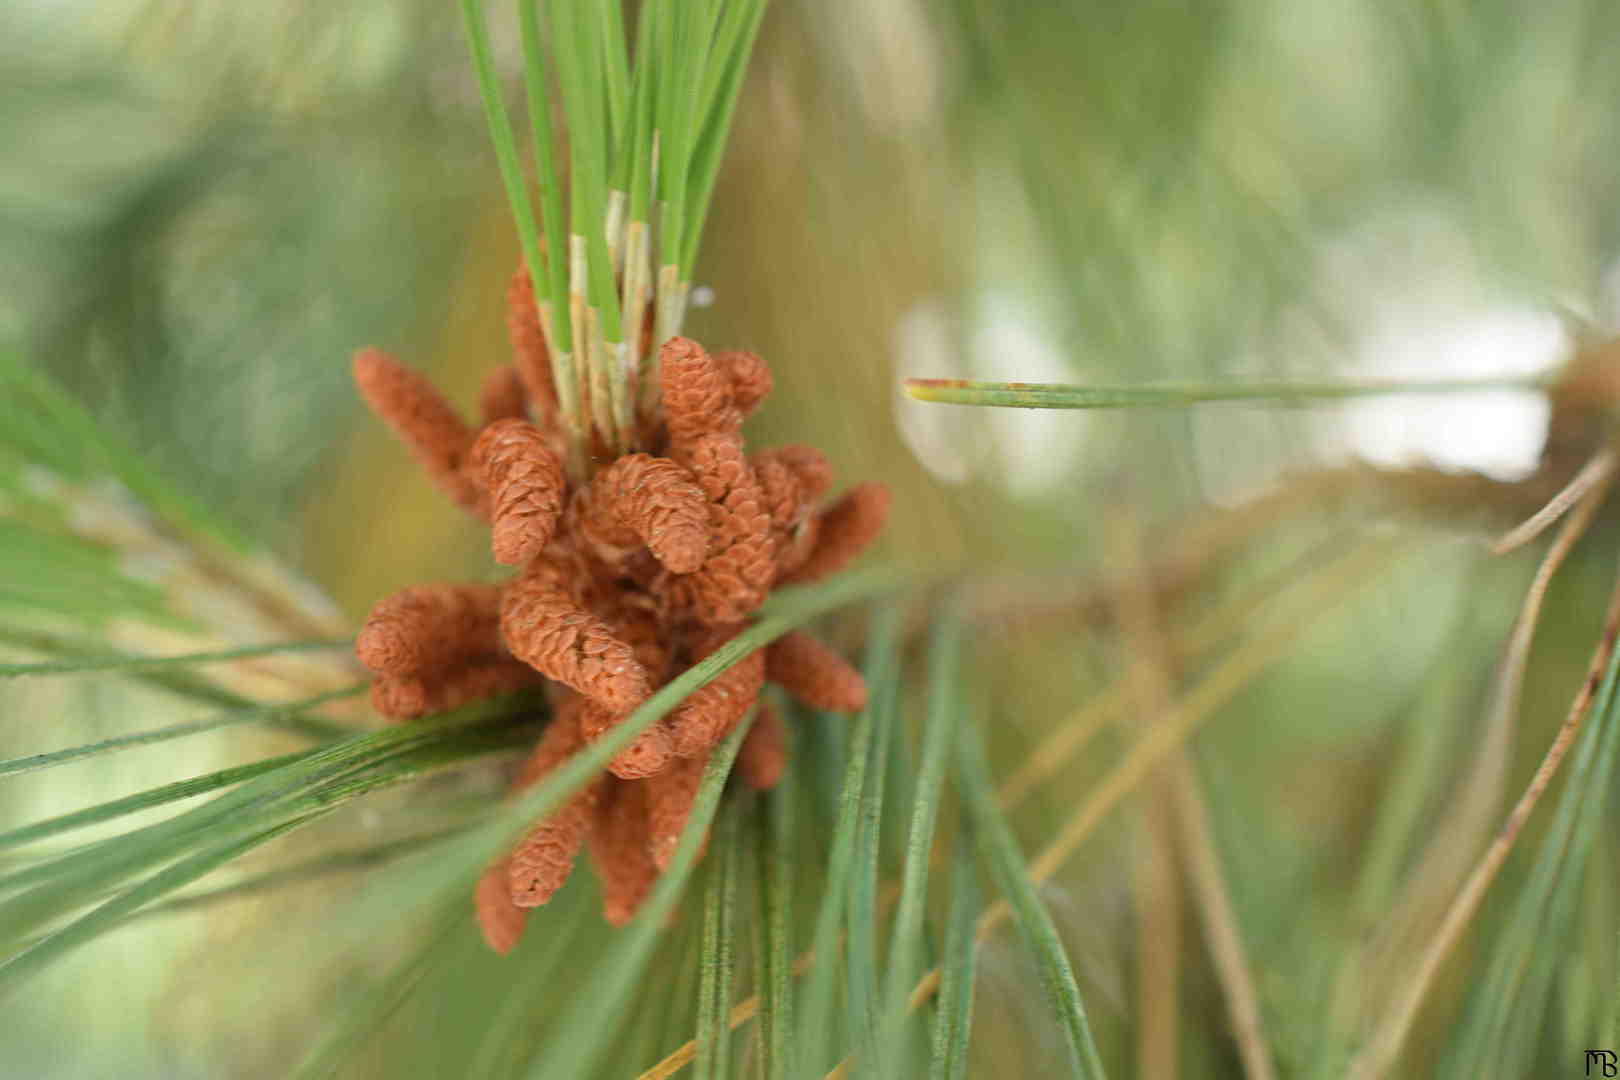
(649, 125)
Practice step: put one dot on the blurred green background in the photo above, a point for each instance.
(205, 207)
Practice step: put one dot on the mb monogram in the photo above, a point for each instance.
(1602, 1063)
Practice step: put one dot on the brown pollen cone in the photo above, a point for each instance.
(645, 500)
(526, 484)
(634, 620)
(647, 754)
(751, 379)
(544, 627)
(543, 859)
(735, 577)
(844, 531)
(814, 674)
(670, 796)
(696, 392)
(795, 548)
(626, 578)
(762, 758)
(790, 495)
(419, 415)
(530, 355)
(810, 465)
(502, 396)
(424, 627)
(784, 498)
(617, 846)
(793, 479)
(711, 711)
(499, 919)
(405, 697)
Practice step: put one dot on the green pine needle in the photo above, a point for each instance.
(938, 740)
(778, 833)
(717, 963)
(861, 920)
(953, 1022)
(157, 663)
(999, 848)
(146, 800)
(271, 715)
(1019, 395)
(815, 1023)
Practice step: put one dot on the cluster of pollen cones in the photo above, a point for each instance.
(623, 581)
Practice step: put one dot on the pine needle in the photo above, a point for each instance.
(1384, 1045)
(939, 736)
(1594, 473)
(716, 963)
(999, 848)
(146, 800)
(777, 834)
(1018, 395)
(953, 1023)
(862, 1000)
(272, 715)
(122, 663)
(843, 850)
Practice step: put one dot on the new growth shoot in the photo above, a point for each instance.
(611, 265)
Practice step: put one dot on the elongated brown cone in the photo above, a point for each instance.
(545, 628)
(647, 754)
(814, 674)
(791, 478)
(810, 465)
(500, 920)
(502, 396)
(542, 860)
(644, 500)
(529, 353)
(697, 392)
(784, 497)
(750, 378)
(617, 845)
(733, 580)
(794, 548)
(710, 712)
(526, 485)
(762, 758)
(419, 415)
(426, 627)
(845, 529)
(405, 697)
(633, 618)
(670, 796)
(499, 917)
